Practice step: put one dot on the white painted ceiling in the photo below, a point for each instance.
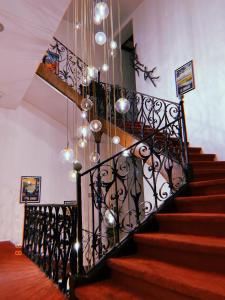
(28, 28)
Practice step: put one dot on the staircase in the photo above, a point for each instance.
(185, 257)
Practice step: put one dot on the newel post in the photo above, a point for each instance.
(79, 242)
(188, 169)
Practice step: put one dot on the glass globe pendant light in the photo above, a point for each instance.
(83, 114)
(86, 81)
(101, 10)
(82, 142)
(105, 68)
(113, 45)
(94, 157)
(97, 19)
(92, 72)
(86, 103)
(110, 218)
(116, 140)
(67, 155)
(95, 125)
(122, 105)
(84, 131)
(73, 176)
(126, 153)
(100, 38)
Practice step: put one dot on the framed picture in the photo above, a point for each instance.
(72, 202)
(51, 60)
(30, 189)
(184, 77)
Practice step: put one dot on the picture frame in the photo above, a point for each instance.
(30, 190)
(184, 78)
(71, 202)
(51, 61)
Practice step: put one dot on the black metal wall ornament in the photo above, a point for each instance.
(139, 67)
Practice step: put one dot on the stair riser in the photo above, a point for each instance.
(210, 206)
(200, 157)
(207, 190)
(193, 227)
(207, 166)
(145, 290)
(209, 262)
(208, 176)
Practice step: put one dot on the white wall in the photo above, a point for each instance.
(30, 143)
(170, 33)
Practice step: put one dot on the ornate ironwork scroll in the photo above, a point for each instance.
(126, 190)
(49, 232)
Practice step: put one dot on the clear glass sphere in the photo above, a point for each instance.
(113, 45)
(97, 19)
(122, 105)
(83, 114)
(94, 157)
(105, 68)
(67, 155)
(78, 25)
(84, 131)
(116, 140)
(73, 176)
(95, 125)
(110, 218)
(86, 81)
(100, 38)
(92, 72)
(102, 10)
(113, 53)
(126, 153)
(86, 103)
(82, 143)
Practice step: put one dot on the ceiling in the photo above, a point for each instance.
(28, 27)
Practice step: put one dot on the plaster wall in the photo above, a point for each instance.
(170, 33)
(30, 142)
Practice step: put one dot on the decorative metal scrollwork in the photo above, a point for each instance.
(49, 232)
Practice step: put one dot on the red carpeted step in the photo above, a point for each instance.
(194, 150)
(207, 187)
(201, 157)
(203, 204)
(208, 165)
(148, 277)
(21, 279)
(193, 223)
(204, 253)
(205, 174)
(104, 290)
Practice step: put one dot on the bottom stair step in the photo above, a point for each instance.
(148, 277)
(104, 290)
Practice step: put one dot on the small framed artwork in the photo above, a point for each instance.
(71, 202)
(184, 77)
(51, 60)
(30, 191)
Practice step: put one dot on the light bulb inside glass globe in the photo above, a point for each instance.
(113, 45)
(102, 10)
(92, 72)
(105, 68)
(84, 131)
(116, 140)
(122, 105)
(126, 153)
(95, 125)
(82, 143)
(100, 38)
(83, 114)
(110, 218)
(97, 19)
(77, 246)
(113, 53)
(94, 157)
(73, 176)
(86, 103)
(67, 155)
(77, 26)
(86, 81)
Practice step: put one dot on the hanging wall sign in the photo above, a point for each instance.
(184, 77)
(30, 189)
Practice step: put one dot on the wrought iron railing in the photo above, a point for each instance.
(126, 190)
(49, 233)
